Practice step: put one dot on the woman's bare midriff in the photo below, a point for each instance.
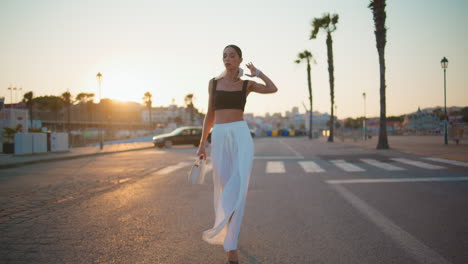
(228, 115)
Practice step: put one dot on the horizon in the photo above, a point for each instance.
(264, 114)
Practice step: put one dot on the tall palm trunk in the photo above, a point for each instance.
(383, 139)
(332, 82)
(378, 10)
(310, 98)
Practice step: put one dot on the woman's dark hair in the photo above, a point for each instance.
(237, 49)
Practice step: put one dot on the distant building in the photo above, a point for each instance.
(162, 116)
(422, 122)
(319, 121)
(14, 118)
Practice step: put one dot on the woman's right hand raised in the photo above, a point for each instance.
(201, 151)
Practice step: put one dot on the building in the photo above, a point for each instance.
(424, 122)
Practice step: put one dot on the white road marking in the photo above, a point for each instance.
(431, 179)
(382, 165)
(346, 166)
(298, 155)
(453, 162)
(310, 166)
(417, 249)
(419, 164)
(172, 168)
(275, 167)
(276, 157)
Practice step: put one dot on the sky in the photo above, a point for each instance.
(173, 48)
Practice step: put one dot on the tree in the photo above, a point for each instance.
(379, 14)
(28, 100)
(328, 24)
(189, 105)
(307, 56)
(49, 103)
(464, 113)
(87, 98)
(148, 102)
(67, 101)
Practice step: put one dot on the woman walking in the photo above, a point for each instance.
(232, 147)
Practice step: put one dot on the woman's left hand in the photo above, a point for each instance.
(252, 69)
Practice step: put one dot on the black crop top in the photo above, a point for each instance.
(229, 99)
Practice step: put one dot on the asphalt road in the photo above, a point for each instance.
(308, 202)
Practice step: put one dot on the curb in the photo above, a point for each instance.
(19, 164)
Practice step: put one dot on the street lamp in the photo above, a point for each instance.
(19, 91)
(11, 96)
(444, 64)
(364, 121)
(99, 79)
(336, 115)
(11, 104)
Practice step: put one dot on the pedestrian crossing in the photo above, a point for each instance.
(275, 166)
(346, 166)
(310, 166)
(420, 164)
(452, 162)
(362, 165)
(382, 165)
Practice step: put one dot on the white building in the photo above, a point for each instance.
(14, 118)
(167, 115)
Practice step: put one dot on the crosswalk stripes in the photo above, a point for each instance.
(346, 166)
(419, 164)
(452, 162)
(310, 166)
(275, 167)
(382, 165)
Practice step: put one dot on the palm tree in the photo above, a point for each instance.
(148, 102)
(189, 104)
(67, 101)
(307, 56)
(327, 23)
(28, 99)
(378, 11)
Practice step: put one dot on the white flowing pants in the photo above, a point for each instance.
(232, 153)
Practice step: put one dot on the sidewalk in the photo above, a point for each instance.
(428, 146)
(10, 160)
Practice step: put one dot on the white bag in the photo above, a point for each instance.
(197, 172)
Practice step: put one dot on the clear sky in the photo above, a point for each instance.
(172, 48)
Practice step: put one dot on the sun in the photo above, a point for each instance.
(127, 83)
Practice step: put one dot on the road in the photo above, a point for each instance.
(308, 202)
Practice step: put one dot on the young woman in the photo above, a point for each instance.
(232, 147)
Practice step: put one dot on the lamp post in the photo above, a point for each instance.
(11, 105)
(11, 96)
(364, 121)
(444, 64)
(336, 115)
(99, 79)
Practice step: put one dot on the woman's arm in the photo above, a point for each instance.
(209, 117)
(270, 87)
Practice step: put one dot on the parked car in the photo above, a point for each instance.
(180, 136)
(252, 133)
